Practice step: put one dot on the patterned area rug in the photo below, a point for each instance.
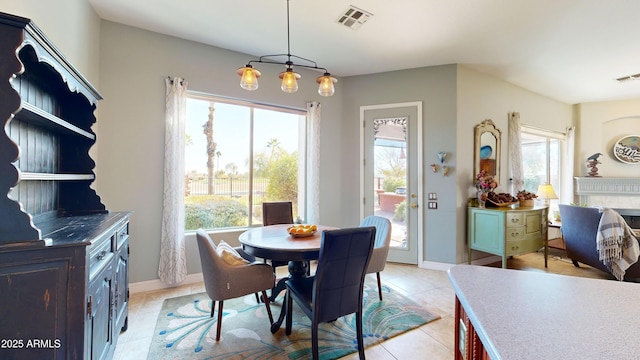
(185, 329)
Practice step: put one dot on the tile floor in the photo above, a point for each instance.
(429, 288)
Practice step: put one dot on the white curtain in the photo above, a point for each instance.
(515, 153)
(313, 163)
(567, 196)
(173, 262)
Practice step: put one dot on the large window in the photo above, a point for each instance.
(541, 160)
(238, 155)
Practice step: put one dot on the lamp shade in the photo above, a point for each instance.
(249, 77)
(326, 82)
(289, 81)
(545, 191)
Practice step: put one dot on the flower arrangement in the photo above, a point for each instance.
(485, 182)
(525, 195)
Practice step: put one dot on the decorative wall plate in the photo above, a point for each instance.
(485, 152)
(627, 149)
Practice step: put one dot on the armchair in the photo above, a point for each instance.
(224, 280)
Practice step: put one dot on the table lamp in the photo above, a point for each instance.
(545, 192)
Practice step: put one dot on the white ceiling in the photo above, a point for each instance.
(569, 50)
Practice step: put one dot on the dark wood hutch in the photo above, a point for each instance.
(63, 257)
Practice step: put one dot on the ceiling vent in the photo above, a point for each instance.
(628, 78)
(353, 17)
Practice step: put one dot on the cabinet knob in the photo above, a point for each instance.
(514, 220)
(514, 234)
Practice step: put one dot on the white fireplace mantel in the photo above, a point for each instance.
(623, 193)
(607, 186)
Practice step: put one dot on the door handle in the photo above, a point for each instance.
(414, 205)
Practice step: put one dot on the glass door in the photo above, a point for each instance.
(390, 175)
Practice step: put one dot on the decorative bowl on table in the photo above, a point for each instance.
(500, 204)
(302, 230)
(500, 199)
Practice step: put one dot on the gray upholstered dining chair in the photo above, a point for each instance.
(227, 275)
(381, 247)
(336, 289)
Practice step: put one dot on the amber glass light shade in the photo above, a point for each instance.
(289, 81)
(326, 82)
(249, 77)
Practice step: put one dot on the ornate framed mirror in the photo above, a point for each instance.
(487, 149)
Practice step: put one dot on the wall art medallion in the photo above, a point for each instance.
(627, 149)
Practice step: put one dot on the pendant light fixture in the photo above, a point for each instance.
(249, 75)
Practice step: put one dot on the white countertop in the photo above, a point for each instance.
(523, 315)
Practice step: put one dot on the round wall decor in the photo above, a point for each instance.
(627, 149)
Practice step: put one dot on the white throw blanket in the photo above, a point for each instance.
(617, 246)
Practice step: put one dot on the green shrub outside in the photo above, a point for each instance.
(389, 184)
(210, 212)
(283, 178)
(401, 211)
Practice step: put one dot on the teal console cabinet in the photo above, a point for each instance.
(507, 231)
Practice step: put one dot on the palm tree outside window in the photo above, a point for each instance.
(238, 155)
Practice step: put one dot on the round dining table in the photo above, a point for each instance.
(275, 243)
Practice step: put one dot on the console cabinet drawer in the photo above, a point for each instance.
(515, 233)
(515, 219)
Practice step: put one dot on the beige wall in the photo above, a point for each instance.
(483, 97)
(600, 125)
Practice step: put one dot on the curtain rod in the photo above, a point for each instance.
(545, 130)
(171, 79)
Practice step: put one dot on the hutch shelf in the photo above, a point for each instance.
(64, 258)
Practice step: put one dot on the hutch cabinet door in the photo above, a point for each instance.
(98, 326)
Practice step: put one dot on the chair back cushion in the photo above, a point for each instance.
(383, 229)
(339, 279)
(579, 230)
(383, 240)
(274, 213)
(212, 269)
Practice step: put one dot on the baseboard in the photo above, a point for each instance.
(435, 265)
(156, 284)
